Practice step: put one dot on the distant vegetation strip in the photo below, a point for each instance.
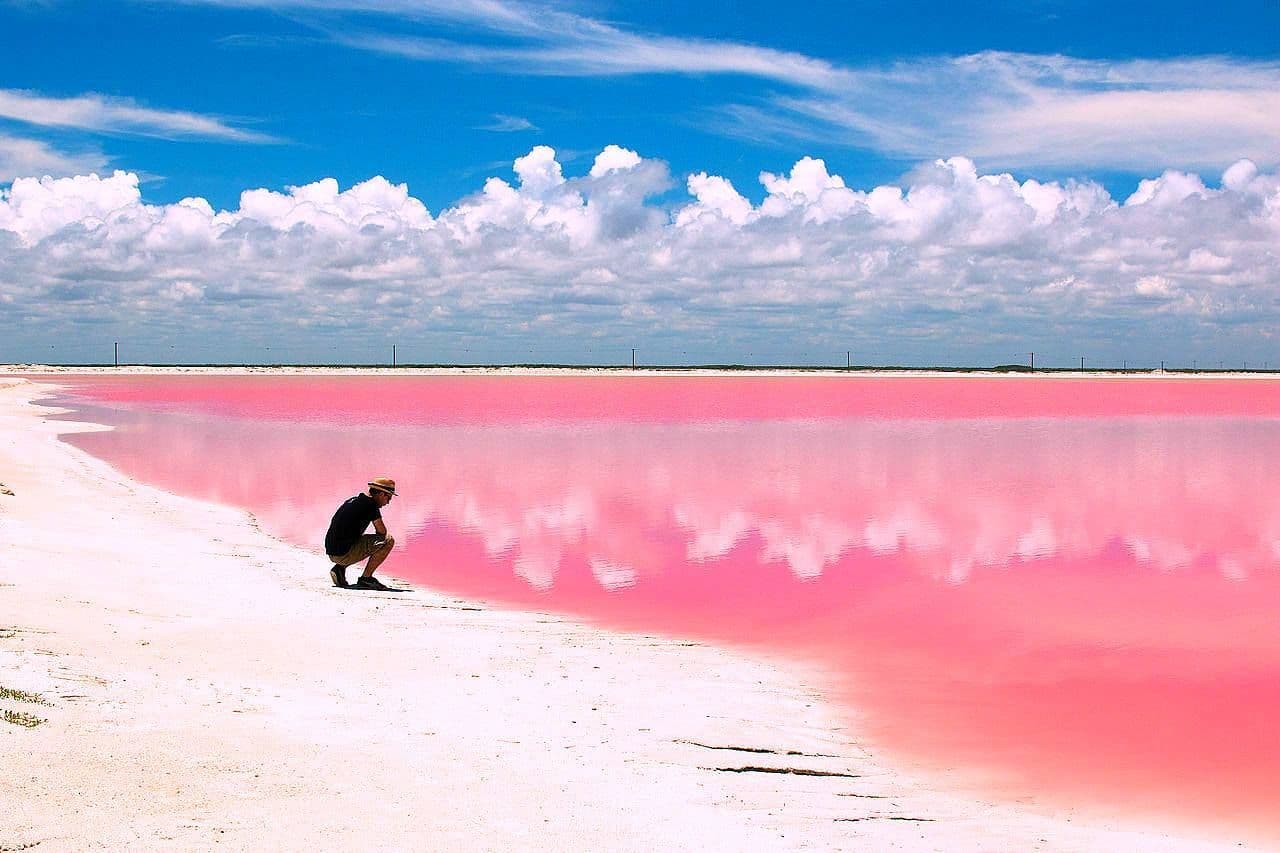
(623, 368)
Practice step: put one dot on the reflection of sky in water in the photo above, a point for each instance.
(1073, 607)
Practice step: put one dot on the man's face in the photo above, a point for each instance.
(381, 497)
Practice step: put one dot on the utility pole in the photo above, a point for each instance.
(1162, 365)
(848, 358)
(633, 358)
(1082, 363)
(1033, 360)
(117, 353)
(393, 355)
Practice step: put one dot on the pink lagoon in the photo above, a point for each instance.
(1060, 591)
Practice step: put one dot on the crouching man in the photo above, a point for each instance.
(346, 543)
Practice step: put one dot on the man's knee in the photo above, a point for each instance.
(387, 545)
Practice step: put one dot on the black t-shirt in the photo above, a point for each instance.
(350, 522)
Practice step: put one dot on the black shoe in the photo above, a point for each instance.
(370, 583)
(339, 576)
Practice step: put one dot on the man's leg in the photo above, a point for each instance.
(377, 557)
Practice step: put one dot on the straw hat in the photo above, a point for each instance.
(383, 484)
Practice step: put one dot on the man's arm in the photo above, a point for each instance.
(380, 527)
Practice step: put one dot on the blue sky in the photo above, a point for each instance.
(211, 98)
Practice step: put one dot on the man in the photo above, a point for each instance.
(346, 543)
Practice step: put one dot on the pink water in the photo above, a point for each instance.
(1063, 591)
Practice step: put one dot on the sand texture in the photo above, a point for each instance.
(175, 678)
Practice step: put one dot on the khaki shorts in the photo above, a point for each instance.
(364, 547)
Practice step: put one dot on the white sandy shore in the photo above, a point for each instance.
(206, 686)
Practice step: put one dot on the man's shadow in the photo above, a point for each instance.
(354, 588)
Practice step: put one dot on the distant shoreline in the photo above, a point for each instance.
(625, 370)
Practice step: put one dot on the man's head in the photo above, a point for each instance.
(382, 490)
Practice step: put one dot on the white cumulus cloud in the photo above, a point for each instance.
(948, 259)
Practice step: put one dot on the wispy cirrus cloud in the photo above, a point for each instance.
(107, 114)
(1006, 110)
(544, 39)
(502, 123)
(608, 51)
(1022, 110)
